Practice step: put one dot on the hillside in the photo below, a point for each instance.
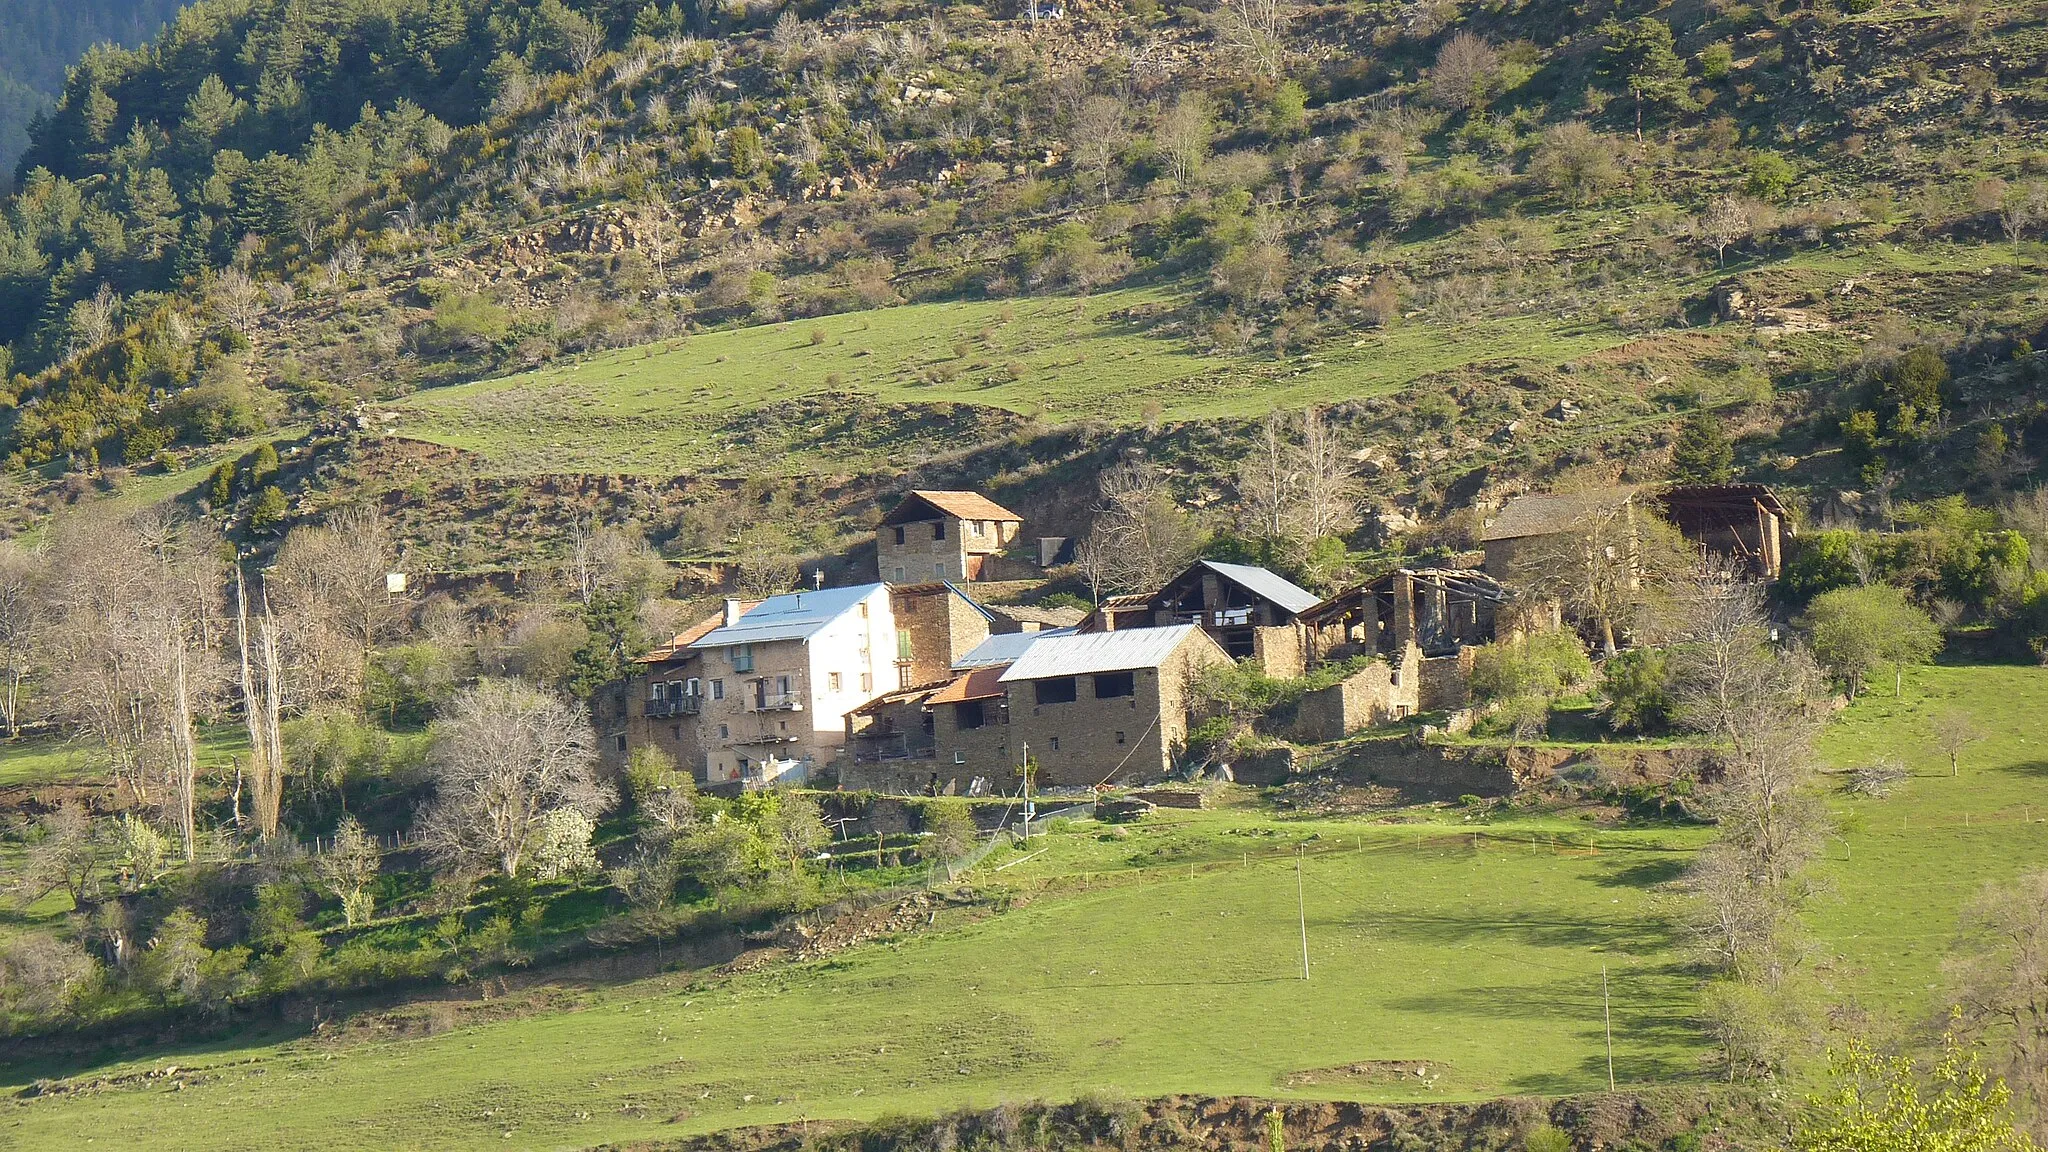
(41, 39)
(1449, 961)
(691, 239)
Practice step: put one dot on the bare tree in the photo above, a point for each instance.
(1329, 479)
(1954, 731)
(1727, 220)
(1184, 134)
(1267, 483)
(135, 649)
(1101, 132)
(2020, 210)
(24, 606)
(237, 299)
(333, 604)
(1257, 29)
(507, 754)
(262, 707)
(1141, 536)
(1466, 73)
(1999, 973)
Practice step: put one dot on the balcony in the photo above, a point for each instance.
(778, 702)
(675, 706)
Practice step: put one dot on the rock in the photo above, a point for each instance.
(1564, 411)
(1122, 811)
(1506, 433)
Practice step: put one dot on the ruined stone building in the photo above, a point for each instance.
(1742, 525)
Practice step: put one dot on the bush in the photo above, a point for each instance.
(1637, 687)
(1546, 665)
(1545, 1138)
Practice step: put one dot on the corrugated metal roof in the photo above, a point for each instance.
(794, 616)
(1004, 647)
(1277, 588)
(1120, 651)
(679, 647)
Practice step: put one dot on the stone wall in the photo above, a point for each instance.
(1374, 694)
(1280, 650)
(1446, 682)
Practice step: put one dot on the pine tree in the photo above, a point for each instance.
(1702, 453)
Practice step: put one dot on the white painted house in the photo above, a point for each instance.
(777, 679)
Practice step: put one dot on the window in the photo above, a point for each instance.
(1110, 685)
(724, 732)
(654, 688)
(959, 757)
(1055, 743)
(831, 681)
(619, 742)
(676, 730)
(867, 681)
(693, 687)
(742, 656)
(903, 675)
(902, 640)
(899, 539)
(938, 529)
(899, 574)
(974, 527)
(718, 689)
(782, 686)
(968, 714)
(1055, 691)
(1119, 737)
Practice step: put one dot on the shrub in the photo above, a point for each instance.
(1637, 686)
(1545, 1138)
(1878, 778)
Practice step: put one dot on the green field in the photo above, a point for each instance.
(32, 760)
(1162, 959)
(775, 398)
(685, 405)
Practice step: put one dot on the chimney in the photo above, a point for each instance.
(732, 612)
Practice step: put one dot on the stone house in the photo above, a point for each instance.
(776, 680)
(1253, 614)
(664, 697)
(1528, 523)
(932, 535)
(936, 624)
(1095, 707)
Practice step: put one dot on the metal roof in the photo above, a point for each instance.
(1004, 647)
(1279, 589)
(977, 684)
(1119, 651)
(792, 616)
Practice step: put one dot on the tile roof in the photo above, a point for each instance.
(792, 616)
(1119, 651)
(1004, 647)
(677, 647)
(1274, 587)
(1547, 513)
(979, 684)
(965, 505)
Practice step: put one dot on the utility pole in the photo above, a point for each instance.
(1301, 909)
(1024, 771)
(1607, 1022)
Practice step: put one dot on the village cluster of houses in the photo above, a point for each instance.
(913, 684)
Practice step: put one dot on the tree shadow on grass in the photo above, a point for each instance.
(1642, 873)
(1638, 937)
(2035, 769)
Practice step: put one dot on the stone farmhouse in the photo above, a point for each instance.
(1741, 525)
(952, 536)
(1103, 707)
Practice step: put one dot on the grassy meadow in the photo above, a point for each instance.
(1448, 960)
